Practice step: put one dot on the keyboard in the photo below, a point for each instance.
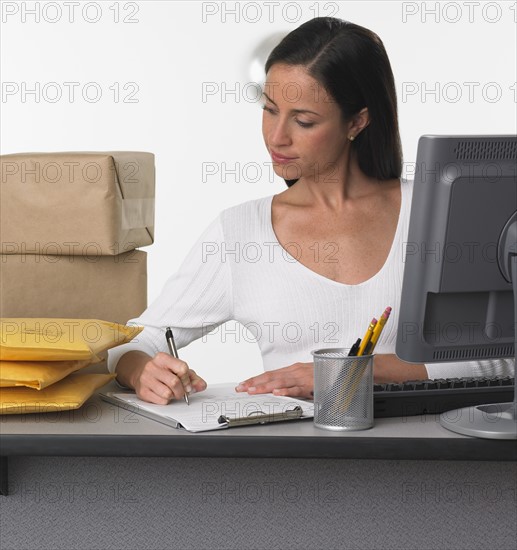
(415, 397)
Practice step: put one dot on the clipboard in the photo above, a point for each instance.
(262, 418)
(110, 398)
(216, 408)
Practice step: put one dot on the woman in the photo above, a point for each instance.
(309, 267)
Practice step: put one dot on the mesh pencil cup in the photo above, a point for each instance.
(343, 390)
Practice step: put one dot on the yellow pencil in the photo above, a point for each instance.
(367, 336)
(377, 331)
(352, 369)
(370, 346)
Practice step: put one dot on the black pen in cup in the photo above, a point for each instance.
(355, 348)
(173, 351)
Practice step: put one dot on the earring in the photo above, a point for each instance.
(351, 138)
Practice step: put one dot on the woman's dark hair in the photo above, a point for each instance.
(350, 62)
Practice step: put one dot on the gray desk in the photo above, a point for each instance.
(102, 429)
(120, 480)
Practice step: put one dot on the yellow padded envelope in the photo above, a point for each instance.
(48, 339)
(69, 393)
(36, 374)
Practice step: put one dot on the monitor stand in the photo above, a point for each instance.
(497, 420)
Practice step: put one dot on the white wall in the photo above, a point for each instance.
(172, 49)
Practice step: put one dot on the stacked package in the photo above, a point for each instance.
(41, 361)
(70, 227)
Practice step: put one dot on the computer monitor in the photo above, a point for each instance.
(459, 293)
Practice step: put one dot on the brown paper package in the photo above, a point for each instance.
(76, 203)
(111, 288)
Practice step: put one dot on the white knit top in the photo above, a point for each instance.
(237, 270)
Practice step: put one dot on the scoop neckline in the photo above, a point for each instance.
(299, 265)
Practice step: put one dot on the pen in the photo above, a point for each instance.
(377, 331)
(352, 372)
(367, 336)
(173, 351)
(354, 348)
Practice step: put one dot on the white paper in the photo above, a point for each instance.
(206, 407)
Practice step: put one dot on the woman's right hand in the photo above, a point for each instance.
(164, 378)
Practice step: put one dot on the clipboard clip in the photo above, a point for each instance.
(259, 417)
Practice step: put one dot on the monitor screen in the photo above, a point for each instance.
(457, 296)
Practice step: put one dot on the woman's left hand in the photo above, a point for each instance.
(296, 380)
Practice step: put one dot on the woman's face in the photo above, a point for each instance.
(302, 126)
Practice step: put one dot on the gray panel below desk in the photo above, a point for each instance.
(92, 503)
